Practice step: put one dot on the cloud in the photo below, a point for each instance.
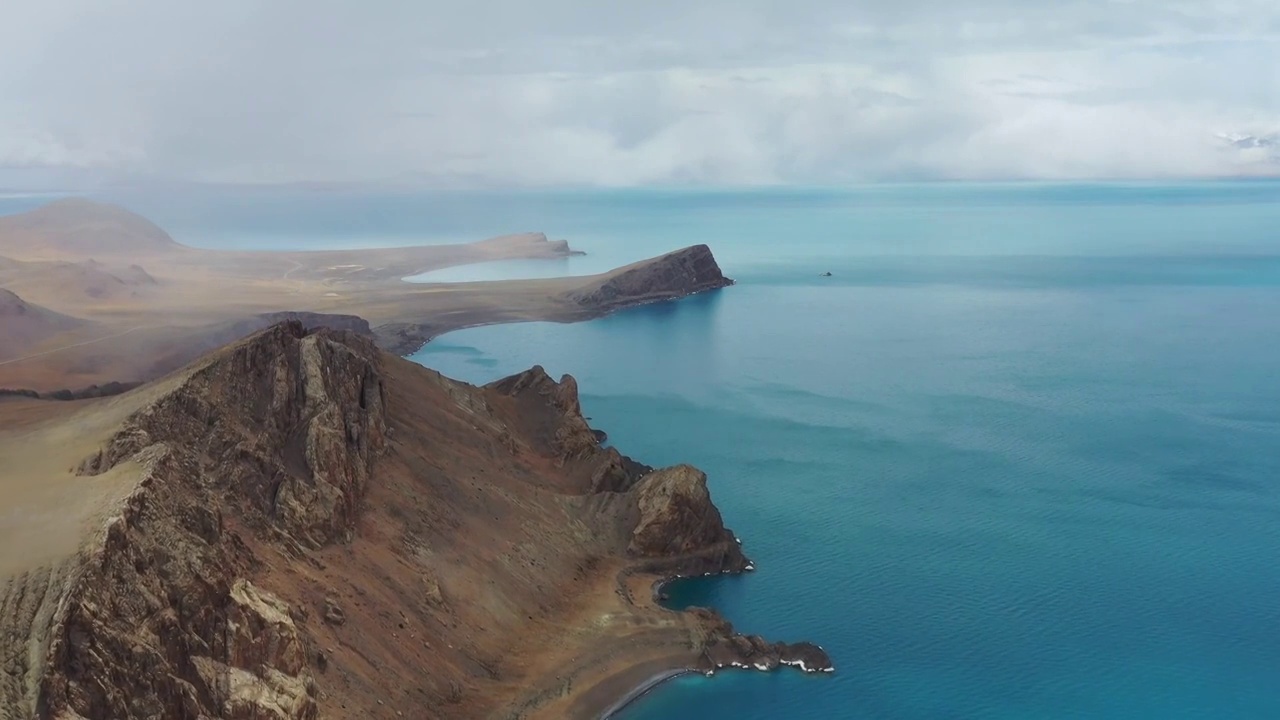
(569, 92)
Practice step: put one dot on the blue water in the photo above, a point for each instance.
(1019, 457)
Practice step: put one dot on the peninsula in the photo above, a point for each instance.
(245, 504)
(300, 525)
(94, 294)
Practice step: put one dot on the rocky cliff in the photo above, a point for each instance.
(275, 438)
(319, 529)
(677, 274)
(672, 276)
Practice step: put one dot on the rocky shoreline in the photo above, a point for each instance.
(309, 527)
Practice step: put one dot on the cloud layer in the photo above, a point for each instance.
(569, 92)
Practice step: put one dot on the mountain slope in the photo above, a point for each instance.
(24, 325)
(302, 526)
(77, 228)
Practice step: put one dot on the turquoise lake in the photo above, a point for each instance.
(1018, 457)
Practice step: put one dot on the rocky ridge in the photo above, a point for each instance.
(274, 458)
(677, 274)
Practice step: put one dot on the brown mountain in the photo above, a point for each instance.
(300, 525)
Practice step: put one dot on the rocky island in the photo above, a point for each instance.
(301, 525)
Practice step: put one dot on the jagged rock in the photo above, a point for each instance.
(293, 431)
(678, 521)
(286, 425)
(433, 593)
(333, 613)
(617, 473)
(561, 411)
(724, 648)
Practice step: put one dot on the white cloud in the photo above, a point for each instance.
(626, 93)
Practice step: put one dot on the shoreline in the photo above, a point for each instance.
(644, 688)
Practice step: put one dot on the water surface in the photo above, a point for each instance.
(1017, 458)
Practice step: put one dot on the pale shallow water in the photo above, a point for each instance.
(1019, 457)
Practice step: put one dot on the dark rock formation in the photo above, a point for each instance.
(162, 623)
(679, 523)
(725, 648)
(559, 419)
(674, 275)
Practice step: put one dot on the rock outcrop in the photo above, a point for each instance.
(680, 525)
(274, 438)
(727, 649)
(557, 416)
(674, 275)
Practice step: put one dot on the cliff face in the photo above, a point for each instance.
(680, 525)
(683, 272)
(274, 438)
(320, 529)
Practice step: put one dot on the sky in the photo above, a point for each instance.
(636, 92)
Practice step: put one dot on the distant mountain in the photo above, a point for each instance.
(23, 324)
(78, 228)
(55, 281)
